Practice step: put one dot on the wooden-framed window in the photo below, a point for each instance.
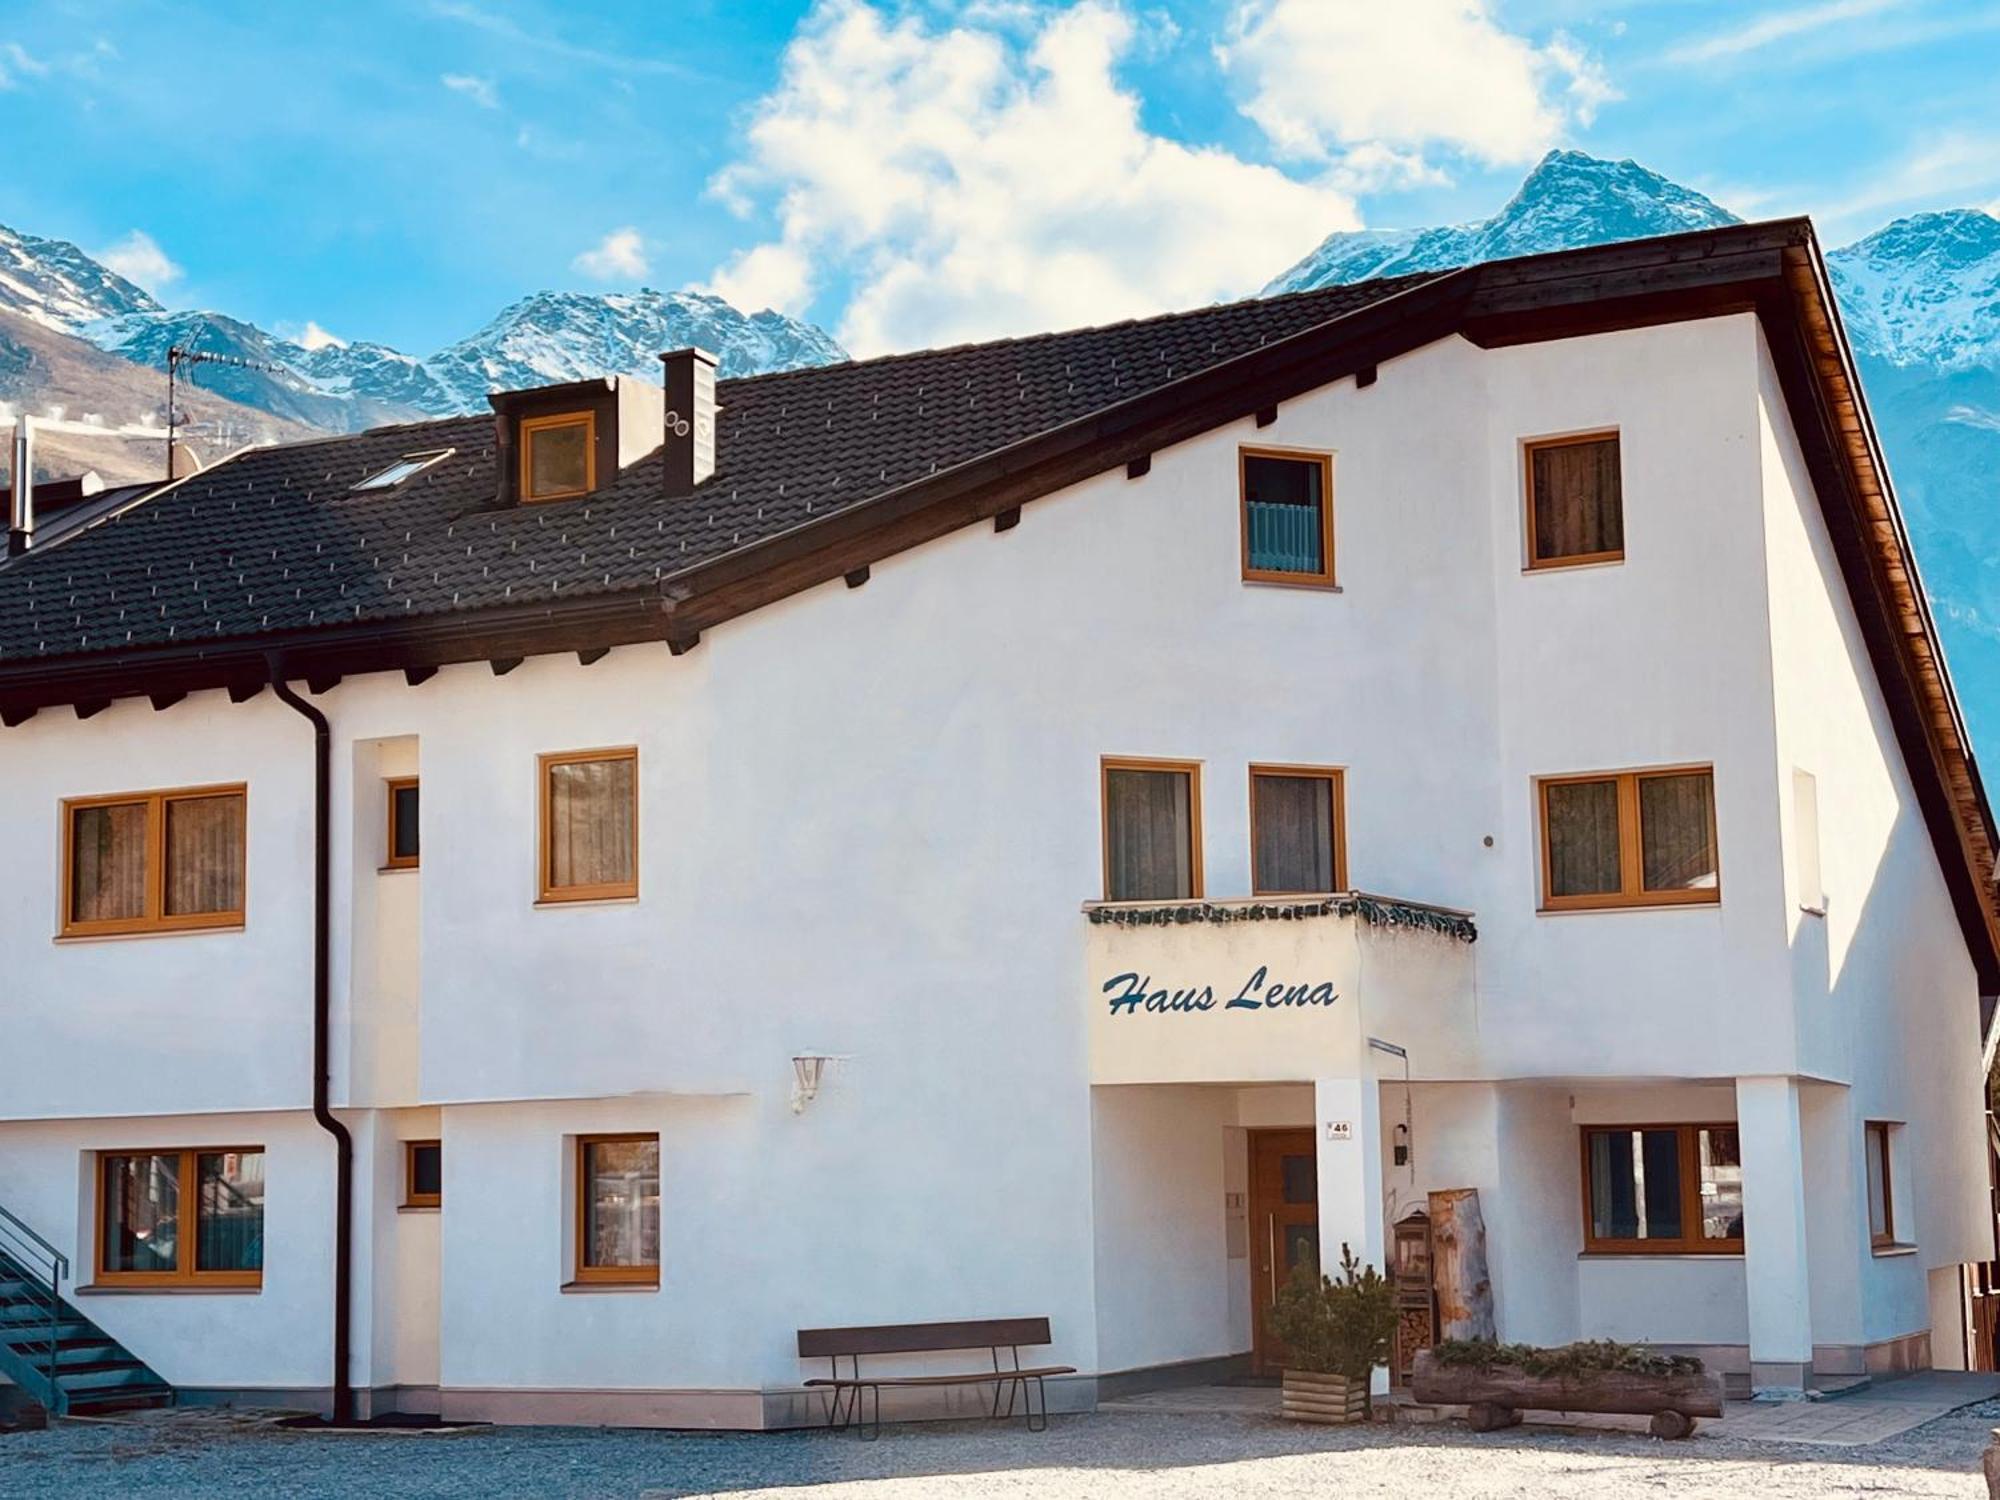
(1662, 1189)
(589, 825)
(1287, 505)
(1152, 829)
(1876, 1135)
(402, 845)
(423, 1174)
(1298, 841)
(618, 1209)
(153, 861)
(558, 455)
(1576, 501)
(181, 1218)
(1629, 838)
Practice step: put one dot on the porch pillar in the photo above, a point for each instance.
(1347, 1137)
(1774, 1235)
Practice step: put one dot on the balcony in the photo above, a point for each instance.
(1276, 989)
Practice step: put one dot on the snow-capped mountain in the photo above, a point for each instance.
(1921, 302)
(1925, 291)
(343, 387)
(58, 286)
(555, 336)
(1568, 201)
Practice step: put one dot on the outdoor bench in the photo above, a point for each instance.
(857, 1398)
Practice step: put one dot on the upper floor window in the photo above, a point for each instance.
(1152, 830)
(402, 838)
(423, 1174)
(558, 455)
(618, 1209)
(181, 1218)
(1576, 504)
(1629, 838)
(590, 825)
(153, 861)
(1287, 501)
(1297, 844)
(1663, 1188)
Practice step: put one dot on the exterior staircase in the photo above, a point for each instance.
(50, 1350)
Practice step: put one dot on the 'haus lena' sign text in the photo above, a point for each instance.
(1133, 993)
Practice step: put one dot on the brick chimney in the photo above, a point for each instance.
(689, 449)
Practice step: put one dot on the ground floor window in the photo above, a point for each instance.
(186, 1217)
(1663, 1189)
(618, 1209)
(1881, 1186)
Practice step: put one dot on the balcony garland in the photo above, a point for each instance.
(1376, 911)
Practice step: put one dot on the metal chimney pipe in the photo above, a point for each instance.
(21, 520)
(689, 446)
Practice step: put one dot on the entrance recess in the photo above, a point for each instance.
(1284, 1228)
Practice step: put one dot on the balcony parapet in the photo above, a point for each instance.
(1376, 911)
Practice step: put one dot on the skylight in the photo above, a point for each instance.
(408, 465)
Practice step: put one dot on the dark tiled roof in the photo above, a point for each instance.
(273, 540)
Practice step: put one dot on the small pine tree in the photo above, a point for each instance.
(1333, 1327)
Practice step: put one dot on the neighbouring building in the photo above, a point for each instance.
(880, 843)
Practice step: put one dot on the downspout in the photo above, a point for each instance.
(343, 1143)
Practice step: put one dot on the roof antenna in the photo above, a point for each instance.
(182, 354)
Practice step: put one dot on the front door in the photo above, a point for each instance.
(1284, 1228)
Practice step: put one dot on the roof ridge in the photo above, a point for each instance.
(1046, 336)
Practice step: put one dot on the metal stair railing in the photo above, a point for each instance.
(40, 1264)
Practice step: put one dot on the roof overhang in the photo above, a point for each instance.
(1774, 270)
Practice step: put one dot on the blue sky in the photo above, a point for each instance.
(908, 172)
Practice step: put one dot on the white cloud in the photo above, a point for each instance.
(619, 256)
(315, 337)
(1776, 26)
(138, 258)
(970, 182)
(481, 91)
(16, 63)
(1326, 80)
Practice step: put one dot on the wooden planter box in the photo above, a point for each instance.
(1496, 1397)
(1331, 1399)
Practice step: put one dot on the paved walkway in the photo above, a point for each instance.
(1869, 1414)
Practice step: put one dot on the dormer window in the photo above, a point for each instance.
(407, 467)
(558, 455)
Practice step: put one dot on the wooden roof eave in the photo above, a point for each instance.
(1816, 368)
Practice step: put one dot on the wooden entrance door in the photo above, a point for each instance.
(1284, 1228)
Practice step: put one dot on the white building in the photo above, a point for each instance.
(952, 717)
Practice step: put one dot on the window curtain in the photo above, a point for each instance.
(108, 862)
(1583, 837)
(1294, 833)
(623, 1180)
(1635, 1184)
(1677, 831)
(590, 823)
(141, 1219)
(204, 855)
(1579, 509)
(1149, 835)
(229, 1211)
(1283, 503)
(1721, 1185)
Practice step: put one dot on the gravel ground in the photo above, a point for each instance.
(1106, 1454)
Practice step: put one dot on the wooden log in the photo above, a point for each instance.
(1485, 1416)
(1670, 1425)
(1621, 1391)
(1458, 1265)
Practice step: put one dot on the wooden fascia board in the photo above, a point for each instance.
(1927, 728)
